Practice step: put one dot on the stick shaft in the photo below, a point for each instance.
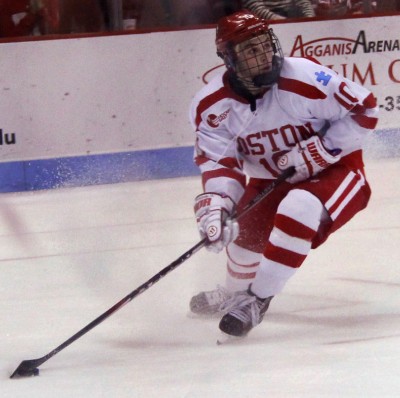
(31, 364)
(264, 193)
(34, 363)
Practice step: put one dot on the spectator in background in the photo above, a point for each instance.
(280, 9)
(222, 8)
(104, 8)
(338, 8)
(175, 13)
(365, 6)
(331, 8)
(131, 11)
(80, 16)
(19, 18)
(155, 14)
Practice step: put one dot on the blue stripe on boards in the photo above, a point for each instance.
(97, 169)
(135, 166)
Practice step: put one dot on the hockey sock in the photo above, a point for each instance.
(296, 223)
(242, 265)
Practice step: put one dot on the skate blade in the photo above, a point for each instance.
(227, 339)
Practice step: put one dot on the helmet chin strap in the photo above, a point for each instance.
(252, 88)
(251, 85)
(265, 80)
(259, 83)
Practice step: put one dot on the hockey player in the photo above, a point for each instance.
(266, 113)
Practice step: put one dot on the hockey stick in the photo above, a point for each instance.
(29, 367)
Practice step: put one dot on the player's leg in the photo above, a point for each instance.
(304, 219)
(243, 258)
(242, 265)
(296, 223)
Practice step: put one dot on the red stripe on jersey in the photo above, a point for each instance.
(346, 105)
(208, 101)
(225, 162)
(358, 109)
(293, 228)
(199, 160)
(365, 121)
(360, 118)
(283, 256)
(224, 172)
(344, 194)
(370, 101)
(229, 162)
(240, 275)
(300, 88)
(223, 92)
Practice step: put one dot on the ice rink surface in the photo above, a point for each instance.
(68, 255)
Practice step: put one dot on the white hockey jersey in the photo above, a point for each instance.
(233, 142)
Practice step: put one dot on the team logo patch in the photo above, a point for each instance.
(212, 231)
(214, 120)
(323, 78)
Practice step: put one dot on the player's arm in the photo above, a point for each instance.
(220, 172)
(223, 185)
(306, 8)
(259, 8)
(356, 115)
(222, 177)
(216, 152)
(349, 112)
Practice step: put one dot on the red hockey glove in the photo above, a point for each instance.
(309, 157)
(212, 214)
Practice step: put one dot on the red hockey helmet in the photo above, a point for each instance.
(238, 27)
(241, 27)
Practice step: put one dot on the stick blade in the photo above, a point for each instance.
(26, 368)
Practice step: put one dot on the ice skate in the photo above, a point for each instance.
(210, 303)
(245, 311)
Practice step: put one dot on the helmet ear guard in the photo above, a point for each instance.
(228, 56)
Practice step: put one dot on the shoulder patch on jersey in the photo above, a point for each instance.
(323, 78)
(214, 120)
(298, 87)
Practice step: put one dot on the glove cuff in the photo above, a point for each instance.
(209, 201)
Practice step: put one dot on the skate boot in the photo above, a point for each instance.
(245, 311)
(209, 303)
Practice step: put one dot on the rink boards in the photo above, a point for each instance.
(105, 109)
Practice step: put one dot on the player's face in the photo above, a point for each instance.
(254, 56)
